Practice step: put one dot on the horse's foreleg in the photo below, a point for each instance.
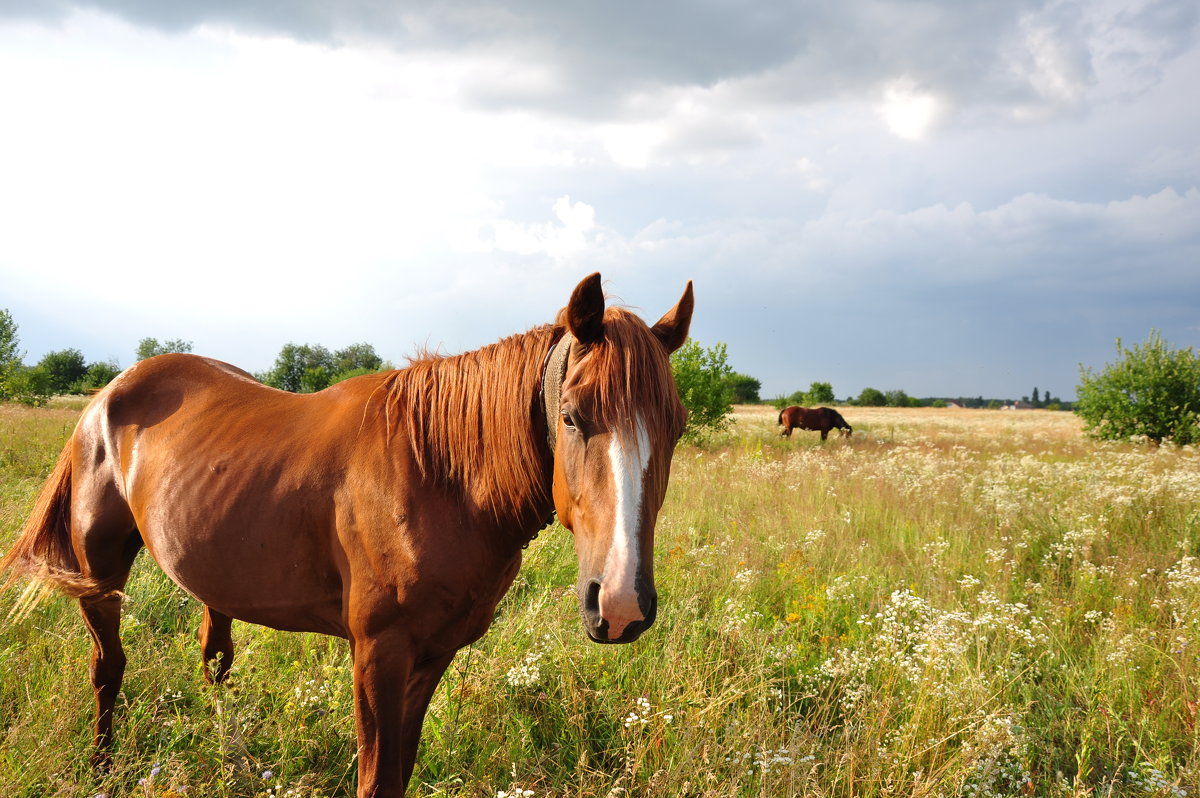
(216, 645)
(421, 686)
(824, 434)
(103, 619)
(383, 668)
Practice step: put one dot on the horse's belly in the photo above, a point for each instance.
(323, 618)
(254, 578)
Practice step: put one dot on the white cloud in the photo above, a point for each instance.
(811, 174)
(569, 237)
(392, 175)
(1055, 66)
(632, 145)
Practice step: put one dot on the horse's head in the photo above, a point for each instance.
(618, 421)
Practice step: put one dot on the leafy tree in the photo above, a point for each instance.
(356, 357)
(819, 393)
(702, 377)
(150, 347)
(354, 361)
(744, 389)
(308, 368)
(63, 370)
(10, 355)
(1152, 390)
(898, 398)
(304, 368)
(871, 397)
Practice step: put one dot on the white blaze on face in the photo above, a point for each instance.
(618, 593)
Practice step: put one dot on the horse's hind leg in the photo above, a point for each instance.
(103, 619)
(216, 643)
(107, 542)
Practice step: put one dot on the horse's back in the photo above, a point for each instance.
(152, 390)
(182, 390)
(233, 485)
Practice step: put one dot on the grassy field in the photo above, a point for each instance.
(949, 603)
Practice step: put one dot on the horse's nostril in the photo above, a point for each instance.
(591, 597)
(649, 609)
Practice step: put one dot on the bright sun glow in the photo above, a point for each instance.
(908, 113)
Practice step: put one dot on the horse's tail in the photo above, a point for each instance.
(43, 552)
(781, 412)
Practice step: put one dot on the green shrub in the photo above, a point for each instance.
(702, 377)
(29, 386)
(1152, 390)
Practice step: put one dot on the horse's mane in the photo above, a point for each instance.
(473, 419)
(469, 419)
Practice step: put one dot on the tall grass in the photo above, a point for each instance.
(956, 603)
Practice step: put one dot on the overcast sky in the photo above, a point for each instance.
(942, 197)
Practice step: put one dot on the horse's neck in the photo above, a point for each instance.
(475, 422)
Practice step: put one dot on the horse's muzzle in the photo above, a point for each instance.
(596, 625)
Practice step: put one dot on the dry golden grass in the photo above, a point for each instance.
(1031, 430)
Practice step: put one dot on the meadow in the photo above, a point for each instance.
(947, 603)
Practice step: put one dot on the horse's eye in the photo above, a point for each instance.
(568, 419)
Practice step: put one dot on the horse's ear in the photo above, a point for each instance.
(585, 311)
(672, 328)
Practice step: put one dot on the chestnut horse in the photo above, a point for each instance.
(390, 509)
(820, 419)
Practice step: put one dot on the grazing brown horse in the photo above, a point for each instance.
(820, 419)
(390, 509)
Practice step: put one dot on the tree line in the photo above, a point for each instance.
(1151, 392)
(302, 368)
(708, 387)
